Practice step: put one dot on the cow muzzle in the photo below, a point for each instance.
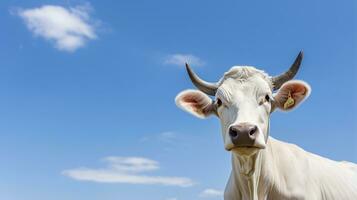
(245, 135)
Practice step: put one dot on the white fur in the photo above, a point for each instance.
(285, 171)
(280, 171)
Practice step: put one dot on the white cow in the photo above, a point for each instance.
(263, 167)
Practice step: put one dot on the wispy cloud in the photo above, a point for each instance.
(181, 59)
(210, 193)
(165, 137)
(126, 170)
(168, 137)
(172, 198)
(68, 28)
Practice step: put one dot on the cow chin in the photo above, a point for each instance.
(246, 151)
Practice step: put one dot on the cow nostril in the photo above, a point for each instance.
(233, 133)
(253, 130)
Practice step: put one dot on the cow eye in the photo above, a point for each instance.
(219, 102)
(267, 98)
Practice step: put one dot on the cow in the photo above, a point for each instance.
(263, 167)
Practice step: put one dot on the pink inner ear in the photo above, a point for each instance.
(192, 100)
(197, 102)
(298, 92)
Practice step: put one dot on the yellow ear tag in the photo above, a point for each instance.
(289, 102)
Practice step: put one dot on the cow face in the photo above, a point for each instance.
(243, 100)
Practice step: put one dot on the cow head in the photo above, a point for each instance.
(243, 100)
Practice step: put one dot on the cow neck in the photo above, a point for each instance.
(247, 173)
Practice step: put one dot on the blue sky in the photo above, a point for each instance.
(96, 91)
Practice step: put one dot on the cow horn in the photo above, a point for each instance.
(206, 87)
(279, 80)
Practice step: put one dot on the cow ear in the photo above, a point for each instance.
(195, 102)
(291, 94)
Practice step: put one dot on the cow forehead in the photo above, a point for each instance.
(244, 80)
(243, 73)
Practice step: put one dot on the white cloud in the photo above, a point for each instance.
(126, 170)
(167, 137)
(172, 198)
(210, 193)
(68, 28)
(181, 59)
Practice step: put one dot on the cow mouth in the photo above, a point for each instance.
(245, 147)
(245, 150)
